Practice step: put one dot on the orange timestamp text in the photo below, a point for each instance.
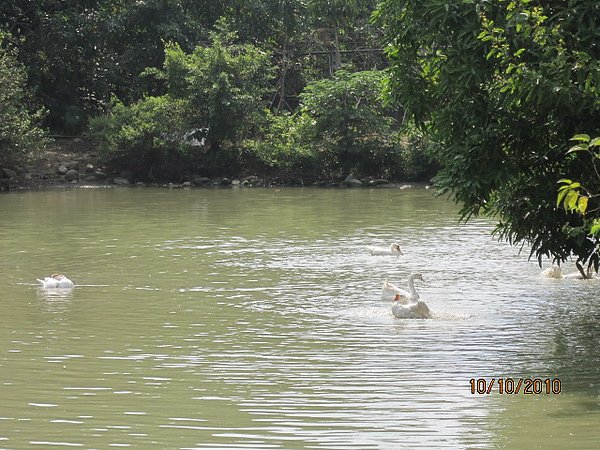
(526, 386)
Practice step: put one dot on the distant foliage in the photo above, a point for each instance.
(215, 96)
(353, 130)
(286, 147)
(225, 84)
(146, 138)
(417, 162)
(19, 134)
(342, 127)
(79, 53)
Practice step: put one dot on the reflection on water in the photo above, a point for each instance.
(254, 319)
(55, 294)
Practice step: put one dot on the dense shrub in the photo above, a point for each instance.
(214, 121)
(342, 127)
(352, 131)
(285, 147)
(215, 98)
(146, 138)
(226, 85)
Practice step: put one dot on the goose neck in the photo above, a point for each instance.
(411, 286)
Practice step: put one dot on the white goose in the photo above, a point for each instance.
(416, 310)
(556, 272)
(552, 272)
(389, 290)
(56, 281)
(394, 249)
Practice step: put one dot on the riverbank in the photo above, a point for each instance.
(63, 163)
(72, 163)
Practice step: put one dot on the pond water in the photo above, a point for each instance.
(253, 319)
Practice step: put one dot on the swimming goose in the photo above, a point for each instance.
(56, 281)
(416, 310)
(394, 249)
(556, 272)
(389, 290)
(552, 272)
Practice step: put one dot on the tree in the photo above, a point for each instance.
(583, 200)
(226, 84)
(19, 133)
(501, 87)
(215, 97)
(59, 44)
(334, 19)
(79, 52)
(352, 131)
(288, 23)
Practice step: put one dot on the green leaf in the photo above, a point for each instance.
(561, 195)
(595, 142)
(565, 180)
(582, 204)
(571, 200)
(577, 148)
(581, 138)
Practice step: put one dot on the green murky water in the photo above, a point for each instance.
(253, 319)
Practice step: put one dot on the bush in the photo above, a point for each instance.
(285, 149)
(215, 98)
(225, 84)
(147, 138)
(341, 127)
(352, 131)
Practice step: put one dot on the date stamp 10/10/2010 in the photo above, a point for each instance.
(514, 386)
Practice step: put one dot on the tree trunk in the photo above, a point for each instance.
(284, 67)
(336, 60)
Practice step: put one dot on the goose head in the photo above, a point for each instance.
(395, 248)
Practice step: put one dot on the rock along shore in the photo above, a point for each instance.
(71, 164)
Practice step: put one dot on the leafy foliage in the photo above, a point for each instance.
(501, 87)
(19, 134)
(78, 53)
(141, 63)
(147, 138)
(226, 85)
(286, 147)
(216, 92)
(342, 127)
(352, 131)
(583, 200)
(58, 44)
